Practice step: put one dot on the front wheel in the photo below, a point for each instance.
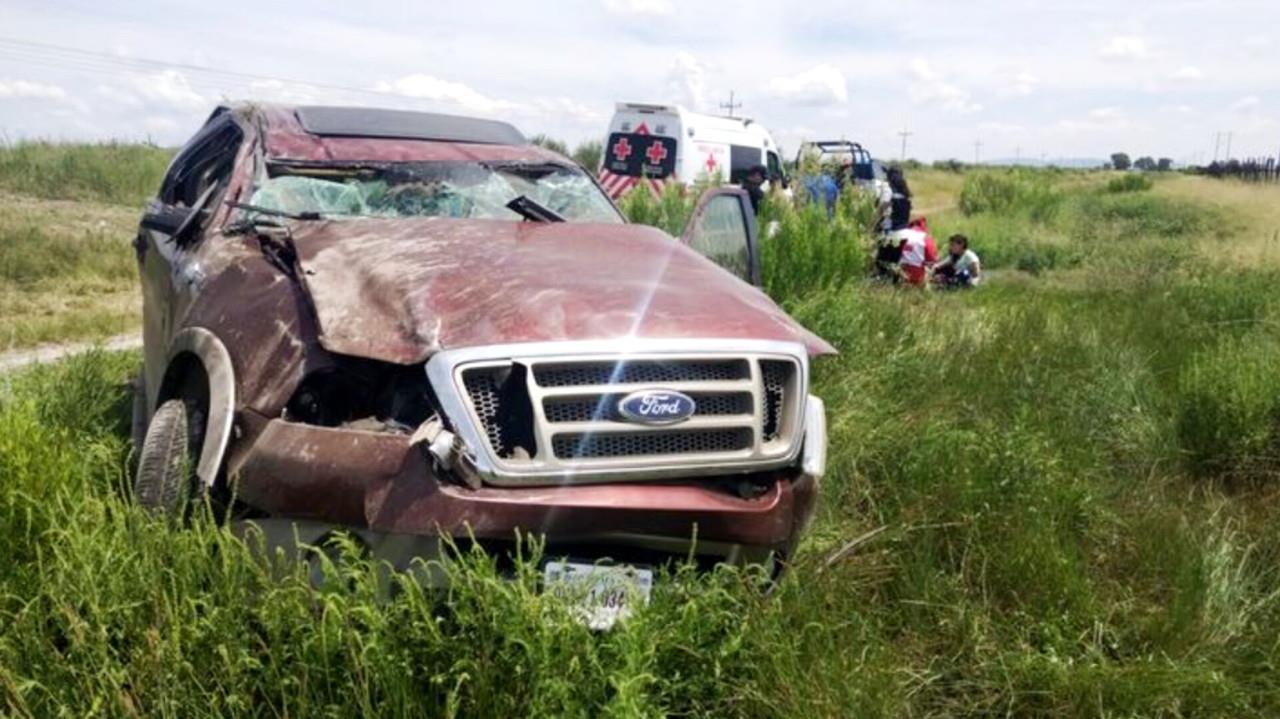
(166, 479)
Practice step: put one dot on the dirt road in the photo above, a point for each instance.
(16, 359)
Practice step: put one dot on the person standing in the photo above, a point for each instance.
(899, 215)
(753, 183)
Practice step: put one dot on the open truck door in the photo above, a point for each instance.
(723, 229)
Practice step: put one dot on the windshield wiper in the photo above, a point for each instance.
(531, 210)
(276, 213)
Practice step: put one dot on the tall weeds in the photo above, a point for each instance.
(1063, 489)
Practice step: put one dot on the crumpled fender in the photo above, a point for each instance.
(213, 355)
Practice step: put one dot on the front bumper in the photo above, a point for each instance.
(381, 483)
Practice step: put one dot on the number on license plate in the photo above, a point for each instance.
(602, 594)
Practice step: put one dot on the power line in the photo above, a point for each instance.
(68, 58)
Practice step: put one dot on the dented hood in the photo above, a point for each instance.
(401, 290)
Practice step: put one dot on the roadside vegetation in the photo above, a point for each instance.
(1055, 495)
(67, 216)
(117, 174)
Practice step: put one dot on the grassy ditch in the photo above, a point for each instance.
(1065, 487)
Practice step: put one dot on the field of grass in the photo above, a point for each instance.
(67, 216)
(1057, 495)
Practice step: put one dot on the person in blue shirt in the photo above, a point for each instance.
(822, 188)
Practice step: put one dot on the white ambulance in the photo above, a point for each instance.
(660, 144)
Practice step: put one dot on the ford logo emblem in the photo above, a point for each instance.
(656, 406)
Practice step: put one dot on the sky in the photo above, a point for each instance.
(1025, 79)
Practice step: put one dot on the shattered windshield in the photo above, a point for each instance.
(470, 190)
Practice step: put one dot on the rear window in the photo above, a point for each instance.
(635, 155)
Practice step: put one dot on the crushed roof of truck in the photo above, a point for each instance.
(357, 134)
(405, 125)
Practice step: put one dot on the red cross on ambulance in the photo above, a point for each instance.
(622, 149)
(656, 152)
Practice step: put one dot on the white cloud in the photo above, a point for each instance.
(1254, 47)
(1001, 128)
(118, 95)
(931, 86)
(25, 90)
(429, 87)
(1024, 83)
(160, 125)
(687, 82)
(818, 86)
(640, 8)
(1098, 120)
(1246, 104)
(564, 109)
(169, 87)
(1188, 73)
(1125, 47)
(285, 93)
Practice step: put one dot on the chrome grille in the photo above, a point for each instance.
(599, 373)
(569, 429)
(482, 389)
(604, 407)
(624, 444)
(773, 400)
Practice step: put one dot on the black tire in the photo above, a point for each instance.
(166, 480)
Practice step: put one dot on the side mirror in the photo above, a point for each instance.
(176, 221)
(167, 219)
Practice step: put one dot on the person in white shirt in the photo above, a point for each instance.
(960, 268)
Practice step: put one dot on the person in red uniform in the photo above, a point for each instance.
(919, 253)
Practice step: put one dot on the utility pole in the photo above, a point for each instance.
(904, 135)
(730, 105)
(1217, 144)
(977, 151)
(1229, 135)
(1017, 155)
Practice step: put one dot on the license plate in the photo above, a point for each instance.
(602, 594)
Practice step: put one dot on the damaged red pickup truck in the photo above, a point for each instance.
(408, 326)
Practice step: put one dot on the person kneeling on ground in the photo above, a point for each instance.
(919, 252)
(961, 267)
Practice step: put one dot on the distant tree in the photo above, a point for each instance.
(1164, 164)
(949, 165)
(550, 143)
(588, 154)
(1120, 161)
(1144, 163)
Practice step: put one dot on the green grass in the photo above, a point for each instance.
(67, 271)
(112, 173)
(1075, 475)
(67, 216)
(1129, 182)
